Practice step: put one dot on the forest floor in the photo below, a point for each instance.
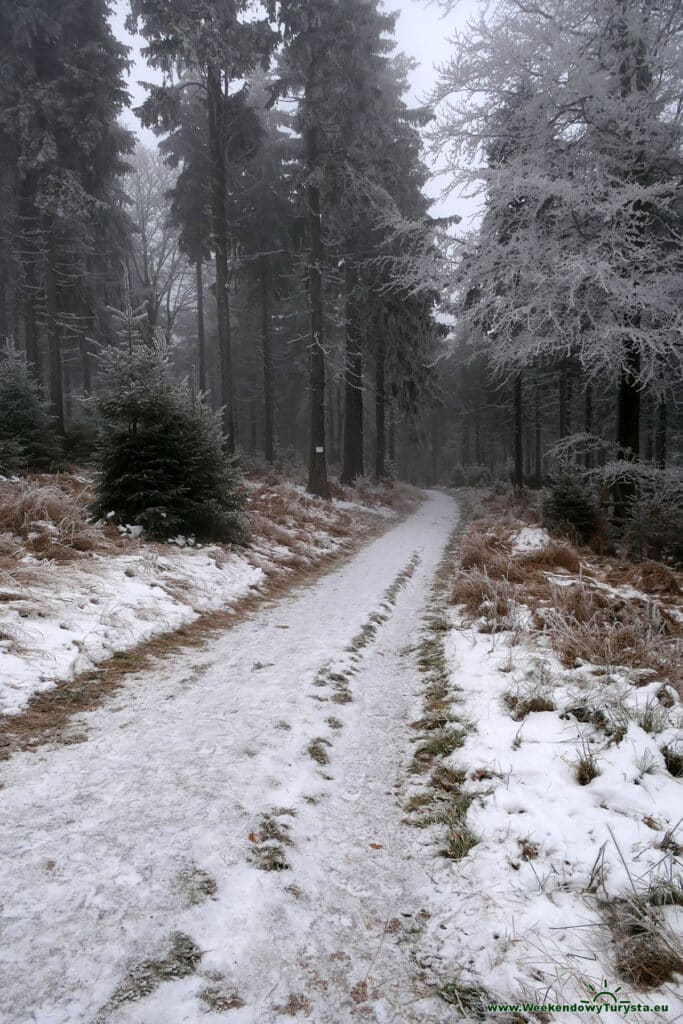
(444, 776)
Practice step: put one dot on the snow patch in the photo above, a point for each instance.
(530, 538)
(71, 616)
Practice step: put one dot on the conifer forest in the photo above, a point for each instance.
(273, 242)
(341, 482)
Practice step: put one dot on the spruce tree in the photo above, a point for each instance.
(334, 59)
(27, 441)
(160, 453)
(218, 43)
(61, 82)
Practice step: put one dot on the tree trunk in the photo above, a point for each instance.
(628, 430)
(465, 440)
(331, 426)
(435, 444)
(538, 438)
(569, 392)
(201, 340)
(337, 395)
(352, 464)
(53, 339)
(317, 462)
(518, 477)
(380, 410)
(269, 427)
(660, 434)
(588, 424)
(220, 243)
(31, 325)
(564, 420)
(392, 438)
(85, 363)
(253, 420)
(5, 329)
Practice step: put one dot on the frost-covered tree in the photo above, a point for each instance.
(591, 261)
(160, 274)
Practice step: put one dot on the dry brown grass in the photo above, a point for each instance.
(487, 546)
(651, 578)
(603, 642)
(489, 550)
(50, 515)
(585, 620)
(481, 595)
(646, 953)
(582, 603)
(394, 494)
(520, 705)
(654, 578)
(588, 627)
(289, 517)
(554, 555)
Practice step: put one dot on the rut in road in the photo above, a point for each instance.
(133, 863)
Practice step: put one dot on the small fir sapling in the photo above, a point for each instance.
(27, 441)
(160, 450)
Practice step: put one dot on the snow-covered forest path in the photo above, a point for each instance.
(143, 873)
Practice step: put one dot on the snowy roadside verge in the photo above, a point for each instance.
(547, 773)
(73, 594)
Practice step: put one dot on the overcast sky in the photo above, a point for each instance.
(422, 32)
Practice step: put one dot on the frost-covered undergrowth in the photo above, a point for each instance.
(551, 732)
(73, 593)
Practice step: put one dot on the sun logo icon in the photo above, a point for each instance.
(603, 994)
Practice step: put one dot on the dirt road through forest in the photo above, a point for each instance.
(225, 841)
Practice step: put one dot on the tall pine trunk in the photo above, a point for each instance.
(31, 324)
(220, 243)
(201, 338)
(465, 440)
(518, 476)
(317, 460)
(268, 417)
(660, 434)
(538, 438)
(27, 224)
(352, 463)
(435, 444)
(563, 396)
(628, 430)
(380, 409)
(86, 374)
(588, 423)
(56, 385)
(392, 438)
